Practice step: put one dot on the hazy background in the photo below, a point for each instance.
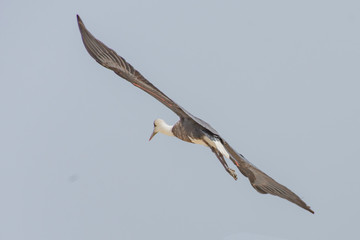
(278, 80)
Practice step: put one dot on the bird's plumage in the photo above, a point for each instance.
(189, 127)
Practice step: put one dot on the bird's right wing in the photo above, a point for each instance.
(111, 60)
(261, 181)
(108, 58)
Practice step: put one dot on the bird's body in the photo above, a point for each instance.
(186, 131)
(189, 128)
(192, 132)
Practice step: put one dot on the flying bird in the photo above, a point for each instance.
(189, 128)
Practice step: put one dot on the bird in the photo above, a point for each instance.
(189, 128)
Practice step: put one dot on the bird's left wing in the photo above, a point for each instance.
(111, 60)
(261, 181)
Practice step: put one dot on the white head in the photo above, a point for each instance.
(161, 126)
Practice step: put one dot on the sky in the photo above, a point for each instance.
(279, 80)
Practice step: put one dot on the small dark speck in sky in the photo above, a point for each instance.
(73, 178)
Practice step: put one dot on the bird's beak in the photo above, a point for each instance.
(153, 134)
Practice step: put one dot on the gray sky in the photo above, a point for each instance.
(278, 80)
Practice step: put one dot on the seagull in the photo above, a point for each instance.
(189, 128)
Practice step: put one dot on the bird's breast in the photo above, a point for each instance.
(186, 132)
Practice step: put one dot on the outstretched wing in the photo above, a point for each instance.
(262, 182)
(109, 59)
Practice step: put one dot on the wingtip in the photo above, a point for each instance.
(309, 209)
(79, 19)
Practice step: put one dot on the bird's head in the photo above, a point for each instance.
(161, 126)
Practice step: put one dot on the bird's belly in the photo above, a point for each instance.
(213, 143)
(199, 141)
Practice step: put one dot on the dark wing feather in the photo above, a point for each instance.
(109, 59)
(262, 182)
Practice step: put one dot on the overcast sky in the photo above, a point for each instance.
(279, 80)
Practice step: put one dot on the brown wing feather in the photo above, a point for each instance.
(111, 60)
(261, 181)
